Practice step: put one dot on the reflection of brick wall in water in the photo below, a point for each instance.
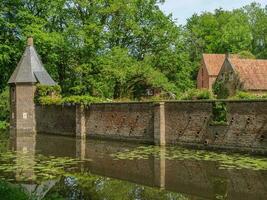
(193, 177)
(187, 123)
(204, 179)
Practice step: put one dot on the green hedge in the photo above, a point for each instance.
(241, 95)
(4, 109)
(50, 95)
(197, 94)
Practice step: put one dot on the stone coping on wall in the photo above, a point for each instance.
(165, 101)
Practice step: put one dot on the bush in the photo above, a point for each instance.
(3, 125)
(47, 90)
(246, 95)
(197, 94)
(84, 100)
(219, 113)
(10, 192)
(4, 109)
(50, 95)
(220, 90)
(48, 100)
(46, 95)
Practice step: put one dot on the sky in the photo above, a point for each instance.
(183, 9)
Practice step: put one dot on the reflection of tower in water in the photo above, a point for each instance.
(24, 148)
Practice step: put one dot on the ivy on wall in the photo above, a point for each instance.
(219, 113)
(220, 90)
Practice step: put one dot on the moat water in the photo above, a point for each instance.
(53, 167)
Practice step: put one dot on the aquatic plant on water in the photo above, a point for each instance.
(224, 160)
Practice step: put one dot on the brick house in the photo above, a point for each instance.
(243, 74)
(210, 67)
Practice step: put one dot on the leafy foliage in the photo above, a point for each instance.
(10, 192)
(219, 113)
(220, 90)
(242, 95)
(196, 94)
(117, 49)
(4, 109)
(84, 100)
(51, 95)
(46, 90)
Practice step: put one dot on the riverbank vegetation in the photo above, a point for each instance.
(112, 50)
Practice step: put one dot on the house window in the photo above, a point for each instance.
(13, 94)
(222, 76)
(231, 76)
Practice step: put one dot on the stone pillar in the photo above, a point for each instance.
(159, 124)
(80, 122)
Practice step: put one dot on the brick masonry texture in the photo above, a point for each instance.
(185, 123)
(22, 108)
(189, 123)
(132, 121)
(56, 119)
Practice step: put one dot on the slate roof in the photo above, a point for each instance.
(214, 62)
(253, 73)
(30, 69)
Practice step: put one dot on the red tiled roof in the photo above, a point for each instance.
(214, 62)
(252, 72)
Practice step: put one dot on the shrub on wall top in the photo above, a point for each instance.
(220, 90)
(46, 90)
(84, 100)
(246, 96)
(197, 94)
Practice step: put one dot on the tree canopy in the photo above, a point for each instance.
(119, 48)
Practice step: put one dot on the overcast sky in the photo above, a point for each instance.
(183, 9)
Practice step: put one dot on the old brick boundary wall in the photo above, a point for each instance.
(185, 123)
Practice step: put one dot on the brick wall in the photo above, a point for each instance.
(203, 77)
(22, 108)
(172, 123)
(189, 123)
(131, 121)
(56, 119)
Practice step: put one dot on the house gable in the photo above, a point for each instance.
(203, 77)
(228, 81)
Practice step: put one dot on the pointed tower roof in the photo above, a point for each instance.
(30, 68)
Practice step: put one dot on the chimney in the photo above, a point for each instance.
(30, 41)
(227, 55)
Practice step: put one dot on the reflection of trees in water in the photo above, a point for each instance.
(96, 187)
(145, 172)
(3, 141)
